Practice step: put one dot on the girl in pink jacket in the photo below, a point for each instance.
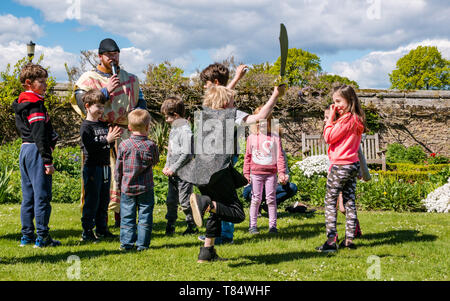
(263, 160)
(344, 139)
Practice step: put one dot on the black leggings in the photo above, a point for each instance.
(228, 206)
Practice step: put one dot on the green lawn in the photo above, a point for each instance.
(408, 246)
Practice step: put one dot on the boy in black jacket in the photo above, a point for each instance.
(96, 143)
(35, 159)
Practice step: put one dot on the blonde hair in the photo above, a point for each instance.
(218, 97)
(138, 120)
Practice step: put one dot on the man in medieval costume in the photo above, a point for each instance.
(123, 94)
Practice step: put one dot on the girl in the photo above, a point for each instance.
(263, 158)
(344, 139)
(363, 173)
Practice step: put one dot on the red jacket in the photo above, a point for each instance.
(344, 138)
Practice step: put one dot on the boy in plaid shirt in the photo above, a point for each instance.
(134, 176)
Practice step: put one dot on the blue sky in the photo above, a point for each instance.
(360, 39)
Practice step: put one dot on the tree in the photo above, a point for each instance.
(299, 65)
(333, 79)
(422, 68)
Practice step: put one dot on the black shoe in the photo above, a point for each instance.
(326, 248)
(208, 254)
(170, 229)
(199, 205)
(351, 245)
(105, 234)
(89, 236)
(191, 229)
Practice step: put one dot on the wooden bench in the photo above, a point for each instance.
(314, 145)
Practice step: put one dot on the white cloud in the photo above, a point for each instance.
(18, 29)
(225, 52)
(372, 70)
(54, 57)
(174, 28)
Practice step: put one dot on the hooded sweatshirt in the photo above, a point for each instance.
(344, 138)
(33, 124)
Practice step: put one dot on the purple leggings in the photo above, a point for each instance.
(258, 184)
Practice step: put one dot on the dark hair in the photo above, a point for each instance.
(32, 72)
(215, 71)
(355, 107)
(172, 105)
(94, 96)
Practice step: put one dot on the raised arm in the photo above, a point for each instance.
(278, 91)
(240, 72)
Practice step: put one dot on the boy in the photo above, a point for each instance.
(217, 180)
(96, 142)
(178, 155)
(218, 74)
(135, 158)
(35, 160)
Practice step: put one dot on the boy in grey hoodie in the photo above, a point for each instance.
(179, 153)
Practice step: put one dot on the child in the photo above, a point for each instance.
(135, 159)
(219, 195)
(263, 159)
(35, 159)
(344, 139)
(218, 74)
(363, 173)
(178, 154)
(96, 142)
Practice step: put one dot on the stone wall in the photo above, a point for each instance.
(408, 117)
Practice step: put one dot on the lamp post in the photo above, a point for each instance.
(30, 50)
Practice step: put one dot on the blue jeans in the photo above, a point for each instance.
(36, 192)
(283, 192)
(144, 203)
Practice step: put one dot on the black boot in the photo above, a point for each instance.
(208, 254)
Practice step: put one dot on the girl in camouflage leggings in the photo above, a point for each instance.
(344, 139)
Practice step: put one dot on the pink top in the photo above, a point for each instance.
(344, 138)
(264, 155)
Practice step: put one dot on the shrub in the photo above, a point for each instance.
(415, 154)
(5, 188)
(68, 160)
(396, 153)
(314, 165)
(388, 193)
(437, 159)
(439, 199)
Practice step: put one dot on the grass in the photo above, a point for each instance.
(409, 246)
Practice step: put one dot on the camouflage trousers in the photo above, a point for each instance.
(341, 178)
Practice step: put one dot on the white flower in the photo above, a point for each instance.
(314, 165)
(439, 199)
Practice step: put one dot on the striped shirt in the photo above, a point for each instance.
(135, 159)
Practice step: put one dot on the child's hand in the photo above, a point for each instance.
(248, 178)
(49, 170)
(278, 91)
(113, 134)
(113, 83)
(240, 71)
(166, 171)
(282, 179)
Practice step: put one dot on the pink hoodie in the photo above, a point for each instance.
(344, 138)
(264, 155)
